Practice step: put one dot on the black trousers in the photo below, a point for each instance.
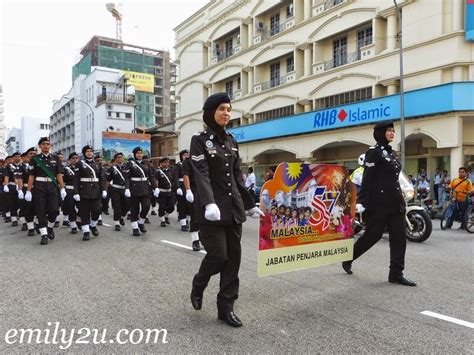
(13, 201)
(135, 202)
(27, 209)
(375, 226)
(46, 201)
(222, 244)
(89, 209)
(69, 206)
(119, 203)
(166, 203)
(183, 206)
(193, 226)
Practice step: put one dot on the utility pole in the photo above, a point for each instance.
(402, 98)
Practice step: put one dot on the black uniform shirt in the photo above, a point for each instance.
(380, 190)
(51, 161)
(69, 177)
(164, 178)
(215, 164)
(88, 188)
(134, 170)
(116, 175)
(178, 176)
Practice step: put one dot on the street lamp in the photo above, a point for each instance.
(402, 98)
(92, 113)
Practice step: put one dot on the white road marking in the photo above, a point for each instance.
(448, 319)
(181, 246)
(105, 224)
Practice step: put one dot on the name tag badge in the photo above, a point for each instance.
(212, 151)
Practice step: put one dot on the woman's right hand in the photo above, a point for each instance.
(212, 212)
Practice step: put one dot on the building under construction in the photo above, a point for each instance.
(149, 70)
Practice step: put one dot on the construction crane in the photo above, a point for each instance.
(113, 9)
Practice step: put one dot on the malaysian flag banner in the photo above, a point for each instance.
(309, 211)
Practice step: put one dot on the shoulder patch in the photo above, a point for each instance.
(369, 165)
(197, 133)
(372, 147)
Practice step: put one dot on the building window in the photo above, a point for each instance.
(275, 24)
(128, 115)
(289, 11)
(275, 74)
(238, 84)
(228, 48)
(364, 38)
(344, 98)
(229, 88)
(275, 113)
(109, 113)
(117, 114)
(290, 64)
(339, 54)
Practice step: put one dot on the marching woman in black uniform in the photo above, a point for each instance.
(90, 182)
(166, 199)
(72, 198)
(138, 181)
(116, 187)
(381, 198)
(182, 205)
(220, 201)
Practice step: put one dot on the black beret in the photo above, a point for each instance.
(16, 153)
(181, 153)
(8, 157)
(23, 155)
(85, 148)
(215, 100)
(73, 154)
(384, 124)
(137, 149)
(117, 154)
(163, 159)
(43, 139)
(32, 149)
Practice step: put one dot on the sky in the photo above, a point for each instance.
(41, 41)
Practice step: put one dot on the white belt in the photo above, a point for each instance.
(89, 180)
(181, 179)
(25, 185)
(118, 186)
(12, 184)
(165, 190)
(139, 179)
(44, 179)
(69, 187)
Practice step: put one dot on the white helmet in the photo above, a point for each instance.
(361, 159)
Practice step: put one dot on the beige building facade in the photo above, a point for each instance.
(295, 69)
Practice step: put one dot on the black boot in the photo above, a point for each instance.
(85, 236)
(14, 223)
(74, 230)
(31, 233)
(142, 228)
(184, 229)
(400, 279)
(51, 233)
(94, 231)
(167, 220)
(56, 224)
(196, 245)
(230, 318)
(147, 221)
(163, 224)
(117, 228)
(24, 227)
(37, 229)
(196, 299)
(99, 223)
(122, 222)
(8, 219)
(44, 239)
(347, 266)
(153, 213)
(66, 223)
(136, 232)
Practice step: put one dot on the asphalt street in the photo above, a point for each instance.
(117, 281)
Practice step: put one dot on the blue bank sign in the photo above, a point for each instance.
(423, 102)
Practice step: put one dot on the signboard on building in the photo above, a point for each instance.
(469, 20)
(423, 102)
(308, 218)
(116, 142)
(141, 81)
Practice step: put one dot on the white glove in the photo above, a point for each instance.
(28, 196)
(76, 197)
(359, 208)
(63, 193)
(21, 196)
(5, 188)
(254, 211)
(127, 193)
(189, 196)
(179, 192)
(156, 192)
(104, 194)
(212, 212)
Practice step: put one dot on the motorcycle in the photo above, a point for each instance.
(423, 200)
(417, 221)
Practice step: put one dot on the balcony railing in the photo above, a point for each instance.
(221, 55)
(340, 60)
(288, 23)
(324, 5)
(291, 76)
(116, 98)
